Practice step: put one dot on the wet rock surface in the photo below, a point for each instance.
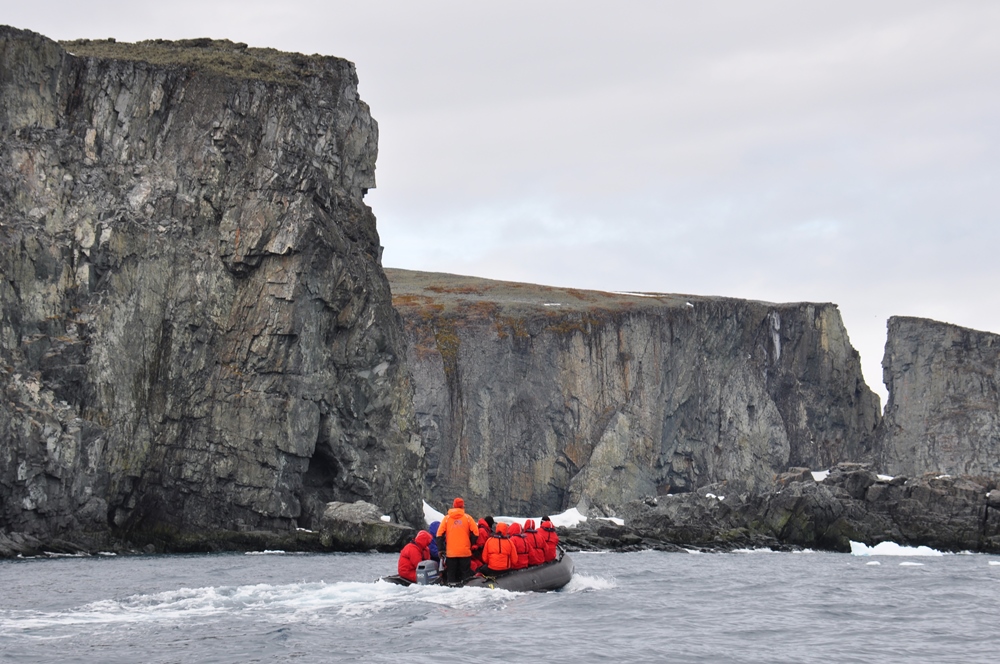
(530, 398)
(197, 341)
(359, 527)
(851, 504)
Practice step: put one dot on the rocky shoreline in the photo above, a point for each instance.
(852, 503)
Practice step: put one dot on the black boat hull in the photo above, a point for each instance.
(548, 576)
(539, 578)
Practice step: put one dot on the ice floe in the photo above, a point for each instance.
(891, 549)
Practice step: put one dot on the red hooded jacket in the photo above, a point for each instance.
(547, 533)
(520, 545)
(412, 554)
(536, 545)
(484, 534)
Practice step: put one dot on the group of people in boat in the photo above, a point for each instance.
(485, 547)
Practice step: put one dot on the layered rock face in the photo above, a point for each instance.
(196, 332)
(943, 413)
(532, 399)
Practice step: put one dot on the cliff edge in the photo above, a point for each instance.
(532, 399)
(196, 335)
(943, 413)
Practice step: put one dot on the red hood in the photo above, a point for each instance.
(514, 529)
(502, 528)
(529, 524)
(482, 524)
(423, 539)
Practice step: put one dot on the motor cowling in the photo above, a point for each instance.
(427, 572)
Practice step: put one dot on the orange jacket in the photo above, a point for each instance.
(499, 553)
(459, 532)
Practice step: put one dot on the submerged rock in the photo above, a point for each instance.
(196, 335)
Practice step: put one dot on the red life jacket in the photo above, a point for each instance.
(520, 545)
(550, 538)
(484, 534)
(536, 547)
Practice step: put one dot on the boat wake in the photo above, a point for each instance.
(583, 583)
(299, 602)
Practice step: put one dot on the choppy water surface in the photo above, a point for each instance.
(641, 607)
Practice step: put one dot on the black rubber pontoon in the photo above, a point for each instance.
(539, 578)
(547, 576)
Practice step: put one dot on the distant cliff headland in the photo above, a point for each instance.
(200, 350)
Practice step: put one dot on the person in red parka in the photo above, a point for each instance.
(520, 545)
(536, 546)
(412, 554)
(485, 530)
(499, 554)
(547, 533)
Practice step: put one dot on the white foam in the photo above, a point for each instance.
(266, 552)
(582, 583)
(910, 563)
(291, 602)
(873, 562)
(891, 549)
(820, 475)
(753, 551)
(995, 562)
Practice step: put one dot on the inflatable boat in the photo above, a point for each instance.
(552, 575)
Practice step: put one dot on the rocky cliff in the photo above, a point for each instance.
(943, 413)
(196, 335)
(531, 399)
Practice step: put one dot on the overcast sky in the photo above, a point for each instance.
(775, 150)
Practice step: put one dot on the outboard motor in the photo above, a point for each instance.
(427, 572)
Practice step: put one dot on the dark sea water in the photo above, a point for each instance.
(640, 607)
